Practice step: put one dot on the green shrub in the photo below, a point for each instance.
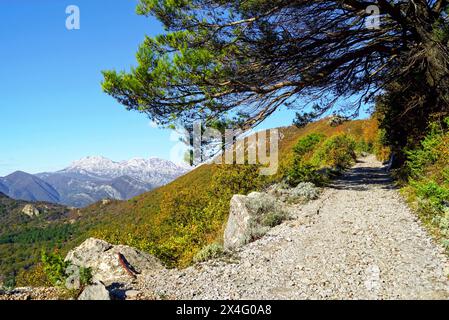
(211, 251)
(55, 268)
(304, 172)
(85, 276)
(9, 282)
(274, 219)
(428, 183)
(337, 152)
(380, 146)
(307, 144)
(312, 155)
(364, 147)
(435, 194)
(419, 159)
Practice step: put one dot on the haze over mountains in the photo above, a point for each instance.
(92, 179)
(23, 186)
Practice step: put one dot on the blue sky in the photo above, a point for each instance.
(52, 108)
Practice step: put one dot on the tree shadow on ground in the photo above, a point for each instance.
(363, 178)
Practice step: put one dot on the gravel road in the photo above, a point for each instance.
(359, 240)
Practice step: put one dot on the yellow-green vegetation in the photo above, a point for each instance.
(316, 157)
(428, 184)
(211, 251)
(35, 276)
(177, 221)
(336, 152)
(54, 271)
(22, 238)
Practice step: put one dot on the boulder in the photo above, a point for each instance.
(336, 120)
(132, 294)
(107, 261)
(95, 292)
(31, 211)
(238, 223)
(244, 218)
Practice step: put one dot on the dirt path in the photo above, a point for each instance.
(358, 241)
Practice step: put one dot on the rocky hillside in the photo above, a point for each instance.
(354, 239)
(154, 171)
(159, 221)
(25, 229)
(177, 221)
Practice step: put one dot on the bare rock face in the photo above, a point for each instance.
(245, 215)
(238, 223)
(111, 263)
(95, 292)
(31, 211)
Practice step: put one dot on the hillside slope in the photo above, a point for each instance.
(175, 221)
(22, 237)
(359, 240)
(23, 186)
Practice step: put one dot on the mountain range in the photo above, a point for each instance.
(92, 179)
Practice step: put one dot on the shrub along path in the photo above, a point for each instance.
(359, 240)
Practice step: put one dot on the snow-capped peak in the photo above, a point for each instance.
(92, 162)
(153, 170)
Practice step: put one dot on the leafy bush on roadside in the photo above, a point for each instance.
(267, 213)
(337, 152)
(314, 153)
(308, 144)
(211, 251)
(428, 185)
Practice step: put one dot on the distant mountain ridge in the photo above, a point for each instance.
(155, 171)
(3, 188)
(91, 179)
(24, 186)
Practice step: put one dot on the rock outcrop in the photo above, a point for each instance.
(31, 211)
(95, 292)
(238, 223)
(248, 218)
(111, 263)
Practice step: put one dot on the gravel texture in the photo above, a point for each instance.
(31, 294)
(359, 240)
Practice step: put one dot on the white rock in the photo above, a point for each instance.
(238, 223)
(103, 258)
(31, 211)
(95, 292)
(132, 294)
